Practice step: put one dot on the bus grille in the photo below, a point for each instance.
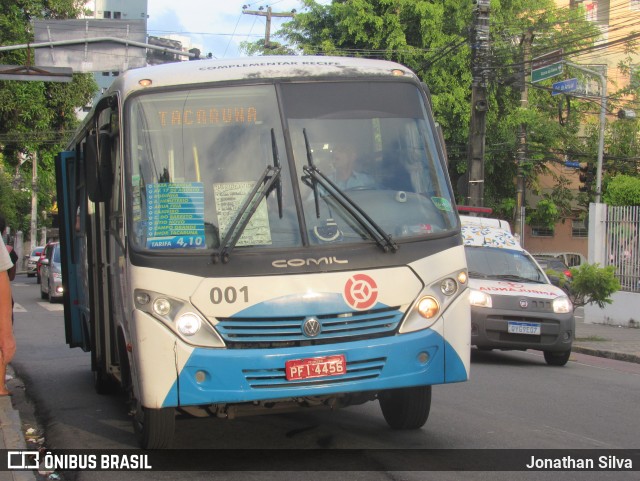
(276, 378)
(267, 332)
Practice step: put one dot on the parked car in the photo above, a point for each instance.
(571, 259)
(32, 261)
(39, 261)
(51, 273)
(555, 267)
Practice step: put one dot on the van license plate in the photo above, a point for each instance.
(532, 328)
(297, 369)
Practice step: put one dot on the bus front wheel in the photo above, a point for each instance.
(154, 428)
(406, 408)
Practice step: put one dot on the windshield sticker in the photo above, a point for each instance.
(488, 236)
(175, 213)
(229, 197)
(442, 204)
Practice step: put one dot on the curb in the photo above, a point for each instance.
(12, 436)
(618, 356)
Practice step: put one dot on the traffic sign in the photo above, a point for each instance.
(564, 86)
(546, 72)
(547, 65)
(547, 59)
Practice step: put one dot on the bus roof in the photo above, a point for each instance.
(251, 68)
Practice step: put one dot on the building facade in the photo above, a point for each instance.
(618, 21)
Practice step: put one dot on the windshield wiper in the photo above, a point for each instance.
(269, 180)
(477, 275)
(276, 163)
(314, 177)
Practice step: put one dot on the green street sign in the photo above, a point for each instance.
(546, 72)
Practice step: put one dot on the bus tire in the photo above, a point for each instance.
(103, 383)
(406, 408)
(557, 358)
(154, 428)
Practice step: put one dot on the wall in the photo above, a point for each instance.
(623, 311)
(562, 241)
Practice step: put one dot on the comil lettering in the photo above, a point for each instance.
(308, 262)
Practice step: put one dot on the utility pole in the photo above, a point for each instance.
(603, 120)
(268, 14)
(34, 202)
(522, 138)
(479, 106)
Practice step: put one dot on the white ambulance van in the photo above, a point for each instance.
(514, 306)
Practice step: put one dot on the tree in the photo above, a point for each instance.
(36, 118)
(623, 190)
(432, 38)
(593, 284)
(553, 207)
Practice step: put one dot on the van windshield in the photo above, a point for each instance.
(505, 264)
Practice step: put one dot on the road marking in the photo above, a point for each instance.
(52, 307)
(18, 308)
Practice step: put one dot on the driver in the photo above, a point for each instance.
(345, 175)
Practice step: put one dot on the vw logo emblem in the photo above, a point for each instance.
(311, 327)
(523, 303)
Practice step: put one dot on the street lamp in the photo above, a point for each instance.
(603, 112)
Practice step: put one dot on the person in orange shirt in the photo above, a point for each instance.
(7, 341)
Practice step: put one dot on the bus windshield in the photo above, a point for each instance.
(196, 157)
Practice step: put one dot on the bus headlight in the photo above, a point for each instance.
(180, 316)
(562, 305)
(479, 298)
(428, 307)
(188, 323)
(162, 306)
(448, 286)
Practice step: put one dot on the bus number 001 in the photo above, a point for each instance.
(229, 295)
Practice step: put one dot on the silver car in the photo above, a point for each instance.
(32, 261)
(51, 273)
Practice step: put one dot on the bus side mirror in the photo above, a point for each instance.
(97, 157)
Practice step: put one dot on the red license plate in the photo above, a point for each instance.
(316, 367)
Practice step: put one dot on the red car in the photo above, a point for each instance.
(43, 254)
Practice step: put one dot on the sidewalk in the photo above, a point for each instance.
(12, 435)
(613, 342)
(619, 343)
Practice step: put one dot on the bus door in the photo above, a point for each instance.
(66, 181)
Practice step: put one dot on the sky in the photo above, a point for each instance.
(216, 26)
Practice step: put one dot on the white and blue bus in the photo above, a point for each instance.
(219, 256)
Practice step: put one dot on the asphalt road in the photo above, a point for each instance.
(513, 401)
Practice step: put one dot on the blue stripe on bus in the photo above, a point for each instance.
(244, 375)
(296, 305)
